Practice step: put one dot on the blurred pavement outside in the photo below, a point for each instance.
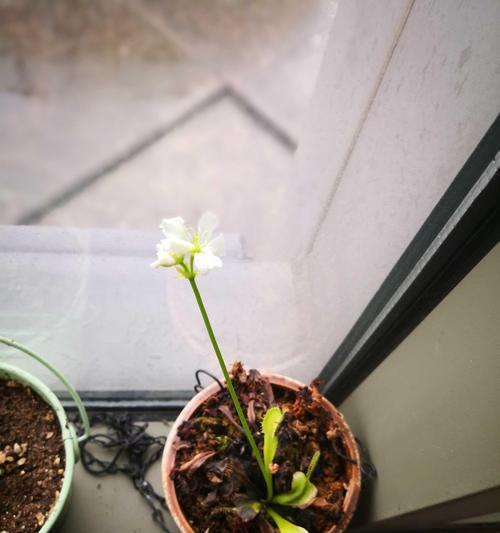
(116, 113)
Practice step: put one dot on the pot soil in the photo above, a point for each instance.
(32, 459)
(208, 467)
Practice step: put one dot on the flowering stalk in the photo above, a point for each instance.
(232, 392)
(195, 252)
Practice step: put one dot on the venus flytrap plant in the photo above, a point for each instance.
(196, 251)
(302, 492)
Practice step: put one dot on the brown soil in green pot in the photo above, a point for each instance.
(214, 466)
(32, 459)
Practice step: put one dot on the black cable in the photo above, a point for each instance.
(368, 469)
(198, 386)
(134, 452)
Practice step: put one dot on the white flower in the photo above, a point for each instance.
(207, 247)
(204, 262)
(194, 252)
(170, 251)
(178, 236)
(164, 257)
(174, 227)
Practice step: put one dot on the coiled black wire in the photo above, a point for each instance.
(132, 451)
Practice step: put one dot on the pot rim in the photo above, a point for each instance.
(169, 452)
(68, 436)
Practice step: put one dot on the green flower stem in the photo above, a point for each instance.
(232, 392)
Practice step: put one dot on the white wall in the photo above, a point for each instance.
(406, 91)
(439, 441)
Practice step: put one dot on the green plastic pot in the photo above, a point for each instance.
(69, 436)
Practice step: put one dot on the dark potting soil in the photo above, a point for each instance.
(214, 465)
(31, 459)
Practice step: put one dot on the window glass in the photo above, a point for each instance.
(116, 114)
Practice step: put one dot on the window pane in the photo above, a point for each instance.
(117, 114)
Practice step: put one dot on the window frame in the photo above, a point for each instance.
(461, 229)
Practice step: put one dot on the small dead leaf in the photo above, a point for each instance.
(211, 499)
(251, 412)
(198, 460)
(224, 409)
(268, 391)
(214, 478)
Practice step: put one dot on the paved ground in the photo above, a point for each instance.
(115, 113)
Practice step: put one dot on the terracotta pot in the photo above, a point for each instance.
(168, 460)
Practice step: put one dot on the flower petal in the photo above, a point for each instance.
(164, 260)
(206, 225)
(204, 262)
(178, 246)
(163, 246)
(174, 227)
(215, 246)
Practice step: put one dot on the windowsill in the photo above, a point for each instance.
(110, 503)
(88, 301)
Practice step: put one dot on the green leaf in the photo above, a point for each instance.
(270, 423)
(302, 494)
(284, 525)
(312, 464)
